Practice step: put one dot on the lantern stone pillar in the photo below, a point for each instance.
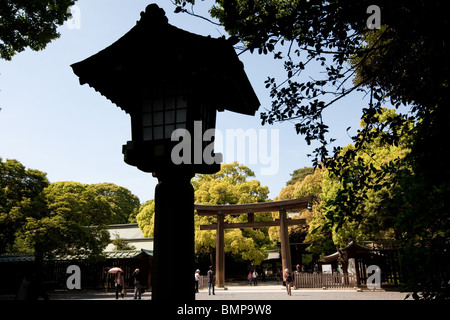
(173, 249)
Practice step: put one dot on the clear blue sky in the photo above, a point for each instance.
(51, 123)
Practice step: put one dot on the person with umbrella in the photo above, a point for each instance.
(119, 281)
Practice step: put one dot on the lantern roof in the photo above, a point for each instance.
(156, 59)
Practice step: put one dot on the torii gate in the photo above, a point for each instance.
(222, 210)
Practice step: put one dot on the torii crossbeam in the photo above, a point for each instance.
(222, 210)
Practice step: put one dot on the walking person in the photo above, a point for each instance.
(254, 277)
(278, 275)
(295, 273)
(137, 283)
(250, 278)
(288, 280)
(211, 280)
(120, 284)
(197, 279)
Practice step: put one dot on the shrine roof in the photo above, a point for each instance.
(157, 57)
(123, 254)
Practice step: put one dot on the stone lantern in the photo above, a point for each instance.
(171, 82)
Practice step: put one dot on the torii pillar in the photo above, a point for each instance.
(286, 261)
(220, 251)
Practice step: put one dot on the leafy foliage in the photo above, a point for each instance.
(299, 175)
(146, 218)
(30, 24)
(332, 37)
(58, 218)
(19, 187)
(121, 244)
(309, 184)
(106, 203)
(231, 185)
(405, 62)
(365, 181)
(123, 204)
(353, 203)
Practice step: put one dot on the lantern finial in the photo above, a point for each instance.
(154, 15)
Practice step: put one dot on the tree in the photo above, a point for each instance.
(231, 185)
(77, 216)
(106, 203)
(30, 24)
(299, 175)
(121, 244)
(362, 188)
(421, 196)
(404, 62)
(123, 204)
(228, 186)
(61, 223)
(363, 185)
(310, 184)
(18, 186)
(146, 218)
(72, 221)
(334, 38)
(58, 218)
(47, 220)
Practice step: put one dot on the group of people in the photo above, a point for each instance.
(252, 277)
(211, 280)
(119, 282)
(289, 278)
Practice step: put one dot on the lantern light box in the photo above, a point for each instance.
(171, 82)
